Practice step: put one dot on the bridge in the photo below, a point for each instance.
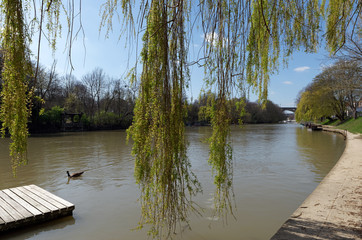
(292, 109)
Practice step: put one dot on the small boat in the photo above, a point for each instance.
(78, 174)
(316, 128)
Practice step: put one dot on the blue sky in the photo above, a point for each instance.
(116, 57)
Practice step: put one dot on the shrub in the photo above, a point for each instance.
(53, 117)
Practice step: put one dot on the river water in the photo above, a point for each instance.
(275, 168)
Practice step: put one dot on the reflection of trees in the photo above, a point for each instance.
(316, 146)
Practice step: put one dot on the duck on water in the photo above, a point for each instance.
(73, 175)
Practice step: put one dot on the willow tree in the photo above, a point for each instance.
(315, 103)
(244, 42)
(162, 168)
(16, 94)
(14, 110)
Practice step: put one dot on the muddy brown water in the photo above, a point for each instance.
(275, 168)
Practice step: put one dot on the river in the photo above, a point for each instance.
(276, 167)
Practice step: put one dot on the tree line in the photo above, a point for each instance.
(242, 111)
(108, 103)
(103, 101)
(333, 93)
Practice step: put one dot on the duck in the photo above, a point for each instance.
(78, 174)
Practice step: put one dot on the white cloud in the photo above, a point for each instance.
(288, 82)
(213, 38)
(301, 69)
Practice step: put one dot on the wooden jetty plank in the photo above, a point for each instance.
(45, 198)
(20, 209)
(48, 194)
(31, 201)
(5, 216)
(27, 205)
(38, 199)
(22, 202)
(10, 210)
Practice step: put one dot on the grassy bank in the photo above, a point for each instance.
(351, 125)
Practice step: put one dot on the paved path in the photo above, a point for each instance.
(334, 209)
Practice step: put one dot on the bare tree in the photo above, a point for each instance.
(95, 83)
(349, 74)
(109, 94)
(352, 49)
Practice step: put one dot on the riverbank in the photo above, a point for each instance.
(352, 125)
(334, 209)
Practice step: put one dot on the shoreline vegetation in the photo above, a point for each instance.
(351, 125)
(58, 119)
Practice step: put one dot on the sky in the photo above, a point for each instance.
(116, 56)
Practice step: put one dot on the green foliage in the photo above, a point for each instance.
(352, 125)
(53, 116)
(334, 90)
(256, 113)
(243, 43)
(76, 118)
(337, 21)
(315, 104)
(221, 156)
(72, 103)
(85, 121)
(15, 94)
(104, 119)
(330, 121)
(162, 168)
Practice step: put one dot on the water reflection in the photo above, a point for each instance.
(275, 168)
(314, 147)
(33, 230)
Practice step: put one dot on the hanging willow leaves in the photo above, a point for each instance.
(244, 41)
(222, 38)
(17, 77)
(243, 44)
(162, 168)
(15, 93)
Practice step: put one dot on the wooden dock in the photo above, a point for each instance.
(22, 206)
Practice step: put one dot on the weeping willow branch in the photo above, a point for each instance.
(243, 44)
(162, 168)
(15, 94)
(244, 41)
